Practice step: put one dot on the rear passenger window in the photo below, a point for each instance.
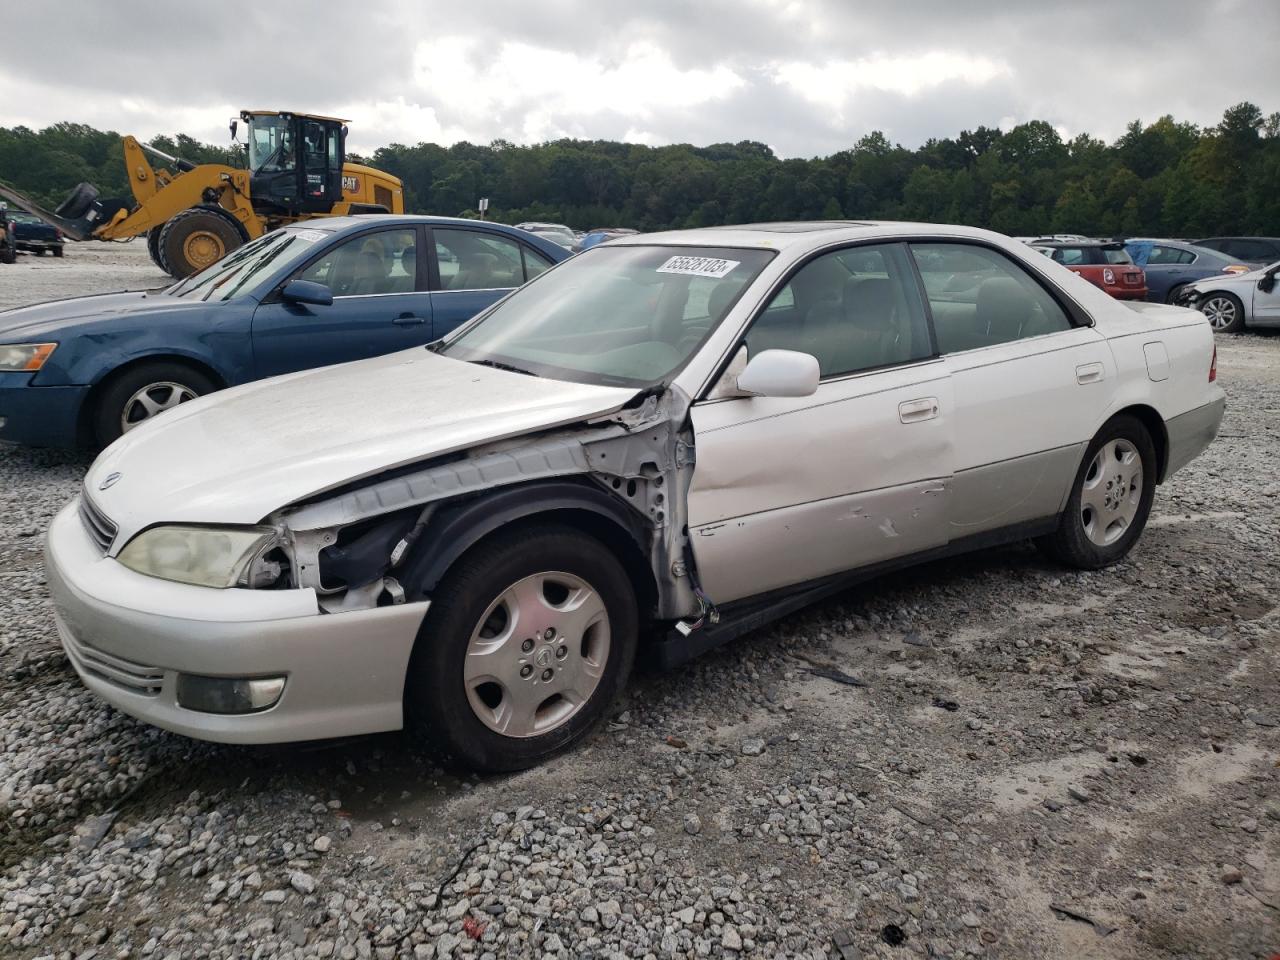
(853, 309)
(1166, 255)
(980, 298)
(475, 260)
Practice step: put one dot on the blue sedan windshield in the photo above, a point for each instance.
(245, 270)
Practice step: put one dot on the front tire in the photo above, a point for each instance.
(530, 637)
(142, 393)
(195, 239)
(1224, 311)
(1110, 499)
(57, 252)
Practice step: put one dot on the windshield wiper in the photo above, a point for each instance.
(499, 365)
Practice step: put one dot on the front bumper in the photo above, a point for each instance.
(129, 636)
(1192, 432)
(39, 416)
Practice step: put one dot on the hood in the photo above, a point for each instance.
(59, 316)
(236, 456)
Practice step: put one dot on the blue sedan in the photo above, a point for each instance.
(84, 371)
(1171, 265)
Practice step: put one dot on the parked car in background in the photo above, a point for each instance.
(8, 237)
(600, 235)
(555, 232)
(1236, 301)
(35, 235)
(84, 371)
(668, 441)
(1107, 265)
(1259, 250)
(1170, 265)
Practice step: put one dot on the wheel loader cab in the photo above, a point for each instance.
(296, 161)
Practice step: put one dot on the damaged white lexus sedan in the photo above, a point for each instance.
(654, 446)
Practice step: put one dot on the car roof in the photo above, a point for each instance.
(1108, 244)
(805, 233)
(1271, 239)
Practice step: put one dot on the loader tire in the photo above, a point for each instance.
(195, 239)
(78, 201)
(153, 248)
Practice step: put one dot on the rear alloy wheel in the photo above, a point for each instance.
(196, 239)
(1111, 498)
(1225, 312)
(143, 393)
(529, 638)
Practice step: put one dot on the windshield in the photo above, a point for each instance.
(270, 144)
(625, 316)
(245, 270)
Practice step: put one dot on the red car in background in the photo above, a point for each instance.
(1104, 264)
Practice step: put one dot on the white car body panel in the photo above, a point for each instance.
(1261, 307)
(233, 457)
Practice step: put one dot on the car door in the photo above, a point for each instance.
(473, 268)
(380, 305)
(1266, 303)
(789, 490)
(1030, 380)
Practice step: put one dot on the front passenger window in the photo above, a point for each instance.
(372, 263)
(979, 297)
(853, 309)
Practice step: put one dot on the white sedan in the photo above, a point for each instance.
(666, 441)
(1233, 302)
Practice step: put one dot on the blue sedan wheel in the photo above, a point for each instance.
(144, 392)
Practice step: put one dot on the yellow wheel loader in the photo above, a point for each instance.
(195, 214)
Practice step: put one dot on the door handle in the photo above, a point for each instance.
(913, 411)
(407, 320)
(1090, 373)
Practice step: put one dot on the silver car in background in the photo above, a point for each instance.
(1234, 302)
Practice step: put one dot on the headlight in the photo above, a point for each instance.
(204, 556)
(24, 357)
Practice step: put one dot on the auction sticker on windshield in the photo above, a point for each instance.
(311, 236)
(712, 267)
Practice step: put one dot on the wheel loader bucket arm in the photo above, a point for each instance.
(75, 229)
(185, 191)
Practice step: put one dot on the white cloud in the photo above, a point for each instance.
(835, 83)
(556, 89)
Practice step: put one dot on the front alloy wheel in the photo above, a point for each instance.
(1224, 312)
(153, 400)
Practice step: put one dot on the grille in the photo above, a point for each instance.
(134, 677)
(101, 529)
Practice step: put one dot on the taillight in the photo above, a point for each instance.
(1108, 275)
(1213, 365)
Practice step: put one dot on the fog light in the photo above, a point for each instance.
(228, 694)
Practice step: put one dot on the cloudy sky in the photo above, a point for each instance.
(807, 77)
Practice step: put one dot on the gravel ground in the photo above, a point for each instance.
(1042, 763)
(93, 267)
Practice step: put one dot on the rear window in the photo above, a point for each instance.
(1116, 255)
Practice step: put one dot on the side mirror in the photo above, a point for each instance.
(780, 373)
(307, 291)
(235, 125)
(1267, 283)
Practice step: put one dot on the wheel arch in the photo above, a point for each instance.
(458, 528)
(1150, 418)
(84, 421)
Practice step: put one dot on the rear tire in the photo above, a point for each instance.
(530, 637)
(1110, 498)
(153, 248)
(8, 254)
(1224, 311)
(57, 252)
(195, 239)
(143, 392)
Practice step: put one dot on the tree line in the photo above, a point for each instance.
(1166, 178)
